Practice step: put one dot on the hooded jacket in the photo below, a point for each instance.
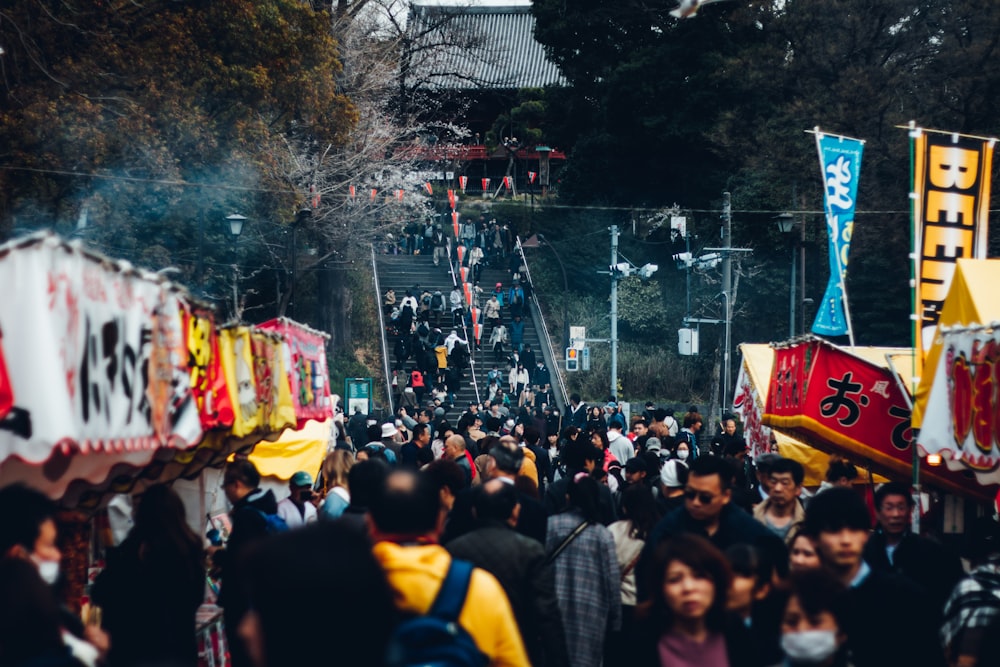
(415, 574)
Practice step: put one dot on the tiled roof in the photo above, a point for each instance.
(478, 47)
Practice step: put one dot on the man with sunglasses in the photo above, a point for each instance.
(707, 511)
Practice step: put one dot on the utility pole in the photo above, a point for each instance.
(727, 286)
(614, 312)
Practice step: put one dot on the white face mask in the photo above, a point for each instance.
(48, 570)
(809, 647)
(682, 454)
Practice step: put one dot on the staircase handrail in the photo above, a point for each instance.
(465, 330)
(383, 334)
(554, 366)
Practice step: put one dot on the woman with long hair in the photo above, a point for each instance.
(335, 468)
(152, 586)
(595, 420)
(587, 574)
(686, 620)
(641, 514)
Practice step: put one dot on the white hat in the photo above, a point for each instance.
(668, 474)
(388, 430)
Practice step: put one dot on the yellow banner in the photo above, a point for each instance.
(951, 196)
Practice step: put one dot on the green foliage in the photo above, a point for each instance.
(639, 308)
(155, 120)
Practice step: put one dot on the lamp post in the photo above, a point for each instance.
(785, 222)
(236, 222)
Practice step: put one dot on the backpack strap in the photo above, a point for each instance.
(451, 596)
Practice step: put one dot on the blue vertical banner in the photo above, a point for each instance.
(840, 160)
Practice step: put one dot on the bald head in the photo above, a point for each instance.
(454, 446)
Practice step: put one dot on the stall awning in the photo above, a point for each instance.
(750, 400)
(844, 403)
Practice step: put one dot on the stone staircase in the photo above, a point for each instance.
(402, 272)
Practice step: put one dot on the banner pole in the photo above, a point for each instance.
(914, 132)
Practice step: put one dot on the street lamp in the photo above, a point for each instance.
(236, 222)
(785, 222)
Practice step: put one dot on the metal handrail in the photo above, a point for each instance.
(545, 329)
(465, 329)
(382, 335)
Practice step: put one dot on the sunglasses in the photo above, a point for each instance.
(703, 498)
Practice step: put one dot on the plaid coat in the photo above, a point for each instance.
(587, 586)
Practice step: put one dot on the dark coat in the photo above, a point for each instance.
(532, 522)
(736, 526)
(149, 597)
(924, 562)
(888, 621)
(519, 564)
(248, 527)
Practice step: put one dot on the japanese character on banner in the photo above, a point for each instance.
(399, 195)
(506, 182)
(429, 188)
(314, 195)
(351, 192)
(374, 193)
(532, 175)
(451, 197)
(486, 184)
(463, 181)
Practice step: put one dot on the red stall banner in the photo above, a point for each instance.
(467, 290)
(486, 184)
(477, 331)
(460, 251)
(464, 272)
(532, 175)
(843, 404)
(451, 199)
(475, 314)
(463, 182)
(429, 188)
(305, 363)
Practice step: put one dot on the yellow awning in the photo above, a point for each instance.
(295, 450)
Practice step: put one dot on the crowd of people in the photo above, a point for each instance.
(429, 361)
(531, 543)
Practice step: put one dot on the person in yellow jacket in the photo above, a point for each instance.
(405, 521)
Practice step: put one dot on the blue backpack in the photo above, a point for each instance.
(436, 639)
(273, 523)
